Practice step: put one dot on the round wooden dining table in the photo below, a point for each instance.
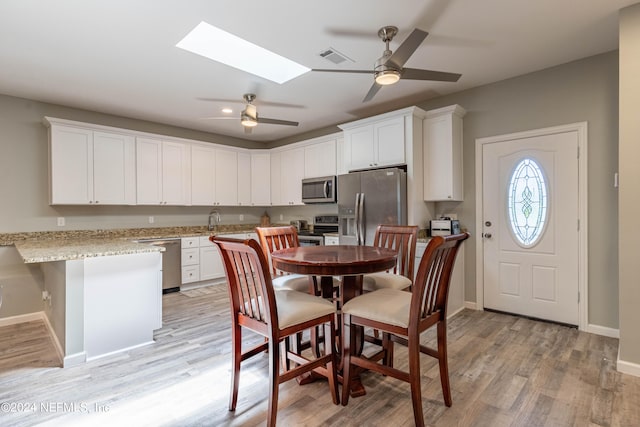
(346, 261)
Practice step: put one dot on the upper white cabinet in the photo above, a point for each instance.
(244, 178)
(203, 175)
(374, 143)
(320, 159)
(287, 172)
(260, 178)
(226, 169)
(443, 154)
(162, 172)
(90, 167)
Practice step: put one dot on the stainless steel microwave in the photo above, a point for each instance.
(319, 190)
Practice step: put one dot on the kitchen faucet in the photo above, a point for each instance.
(214, 215)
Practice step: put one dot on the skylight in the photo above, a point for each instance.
(216, 44)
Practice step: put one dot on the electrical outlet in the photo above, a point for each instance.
(151, 220)
(61, 221)
(241, 217)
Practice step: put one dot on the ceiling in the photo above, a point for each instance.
(119, 56)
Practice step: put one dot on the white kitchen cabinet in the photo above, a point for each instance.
(162, 172)
(287, 172)
(374, 143)
(443, 154)
(244, 178)
(455, 301)
(260, 178)
(211, 266)
(91, 167)
(226, 180)
(203, 175)
(320, 159)
(200, 260)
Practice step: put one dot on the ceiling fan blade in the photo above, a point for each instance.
(276, 122)
(372, 92)
(437, 76)
(260, 102)
(406, 49)
(346, 71)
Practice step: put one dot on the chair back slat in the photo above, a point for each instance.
(431, 287)
(274, 239)
(401, 238)
(248, 280)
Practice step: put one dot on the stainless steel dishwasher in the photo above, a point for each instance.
(171, 263)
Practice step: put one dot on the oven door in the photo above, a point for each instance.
(311, 240)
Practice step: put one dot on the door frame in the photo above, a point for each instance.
(583, 255)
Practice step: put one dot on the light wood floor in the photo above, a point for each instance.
(505, 371)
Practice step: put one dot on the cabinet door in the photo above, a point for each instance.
(203, 163)
(244, 179)
(211, 266)
(443, 158)
(359, 147)
(260, 179)
(226, 177)
(276, 181)
(114, 173)
(71, 165)
(389, 142)
(291, 175)
(320, 159)
(176, 176)
(148, 171)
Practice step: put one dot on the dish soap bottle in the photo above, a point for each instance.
(265, 221)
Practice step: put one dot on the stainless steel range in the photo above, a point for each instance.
(321, 224)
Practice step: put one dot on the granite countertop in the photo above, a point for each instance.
(47, 246)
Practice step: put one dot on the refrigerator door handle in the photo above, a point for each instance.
(357, 219)
(361, 221)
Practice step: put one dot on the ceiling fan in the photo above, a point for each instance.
(389, 67)
(249, 116)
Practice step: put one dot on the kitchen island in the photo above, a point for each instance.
(102, 290)
(101, 296)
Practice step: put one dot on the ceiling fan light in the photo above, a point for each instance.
(248, 121)
(387, 77)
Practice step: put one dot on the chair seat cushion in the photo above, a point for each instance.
(293, 282)
(298, 307)
(390, 306)
(383, 280)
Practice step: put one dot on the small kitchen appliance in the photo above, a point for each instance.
(444, 227)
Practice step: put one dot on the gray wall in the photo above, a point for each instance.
(629, 185)
(585, 90)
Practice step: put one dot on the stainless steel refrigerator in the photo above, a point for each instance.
(367, 199)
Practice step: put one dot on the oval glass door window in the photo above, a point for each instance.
(527, 202)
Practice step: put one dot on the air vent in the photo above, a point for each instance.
(334, 56)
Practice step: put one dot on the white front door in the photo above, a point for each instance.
(530, 226)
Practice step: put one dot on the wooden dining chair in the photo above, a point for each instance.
(276, 316)
(402, 317)
(276, 238)
(401, 238)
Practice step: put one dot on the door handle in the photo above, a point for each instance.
(362, 228)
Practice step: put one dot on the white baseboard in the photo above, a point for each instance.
(602, 330)
(74, 359)
(22, 318)
(54, 338)
(470, 305)
(453, 313)
(627, 367)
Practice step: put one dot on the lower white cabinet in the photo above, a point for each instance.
(200, 260)
(456, 288)
(331, 240)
